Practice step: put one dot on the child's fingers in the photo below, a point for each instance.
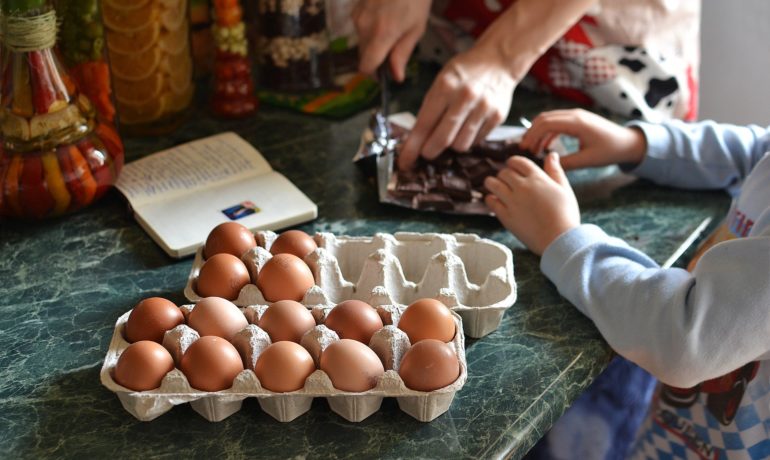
(510, 177)
(499, 189)
(585, 158)
(522, 165)
(554, 170)
(549, 124)
(495, 205)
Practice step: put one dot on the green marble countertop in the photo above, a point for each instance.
(64, 282)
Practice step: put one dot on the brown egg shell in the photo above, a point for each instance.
(250, 294)
(351, 406)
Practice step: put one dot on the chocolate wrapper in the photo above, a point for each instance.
(452, 183)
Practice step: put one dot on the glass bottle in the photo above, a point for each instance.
(148, 43)
(293, 45)
(233, 86)
(56, 155)
(82, 49)
(201, 39)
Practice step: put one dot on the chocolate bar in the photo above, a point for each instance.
(454, 181)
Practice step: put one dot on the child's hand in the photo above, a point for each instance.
(602, 142)
(536, 205)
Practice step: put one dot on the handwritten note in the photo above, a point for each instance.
(187, 167)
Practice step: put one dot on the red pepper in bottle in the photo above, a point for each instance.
(5, 162)
(71, 180)
(12, 184)
(109, 136)
(97, 163)
(43, 92)
(82, 171)
(33, 190)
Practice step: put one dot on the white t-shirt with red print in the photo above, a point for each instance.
(636, 58)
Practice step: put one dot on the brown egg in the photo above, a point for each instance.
(429, 365)
(222, 275)
(217, 316)
(286, 320)
(427, 319)
(294, 242)
(230, 238)
(284, 277)
(142, 366)
(354, 319)
(351, 365)
(284, 366)
(151, 318)
(211, 364)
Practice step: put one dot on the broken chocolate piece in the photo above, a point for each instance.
(433, 201)
(480, 171)
(457, 187)
(408, 189)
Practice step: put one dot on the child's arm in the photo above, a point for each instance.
(701, 155)
(683, 328)
(687, 155)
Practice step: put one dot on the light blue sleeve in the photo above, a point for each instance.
(683, 328)
(704, 155)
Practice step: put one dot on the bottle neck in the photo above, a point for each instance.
(26, 7)
(28, 25)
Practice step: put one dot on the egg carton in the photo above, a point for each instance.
(471, 275)
(389, 343)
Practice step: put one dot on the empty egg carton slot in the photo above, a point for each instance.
(471, 275)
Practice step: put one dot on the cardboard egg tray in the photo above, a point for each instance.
(471, 275)
(390, 344)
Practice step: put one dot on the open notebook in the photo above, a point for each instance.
(179, 195)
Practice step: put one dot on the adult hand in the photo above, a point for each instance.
(390, 27)
(602, 142)
(536, 205)
(470, 96)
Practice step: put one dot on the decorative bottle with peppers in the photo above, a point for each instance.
(56, 155)
(233, 85)
(148, 43)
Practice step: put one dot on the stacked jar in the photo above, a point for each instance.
(233, 87)
(57, 154)
(151, 61)
(293, 45)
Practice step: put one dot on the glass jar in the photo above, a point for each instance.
(151, 62)
(292, 45)
(233, 86)
(201, 39)
(56, 154)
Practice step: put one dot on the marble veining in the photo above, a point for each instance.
(64, 282)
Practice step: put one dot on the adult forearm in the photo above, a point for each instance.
(526, 30)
